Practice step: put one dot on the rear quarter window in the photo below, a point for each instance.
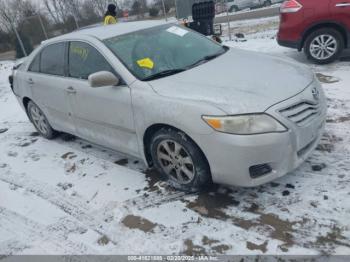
(52, 60)
(35, 65)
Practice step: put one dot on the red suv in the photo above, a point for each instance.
(320, 27)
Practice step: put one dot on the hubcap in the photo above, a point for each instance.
(175, 161)
(323, 47)
(39, 120)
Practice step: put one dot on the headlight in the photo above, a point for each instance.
(245, 124)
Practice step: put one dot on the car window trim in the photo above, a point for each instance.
(122, 82)
(66, 59)
(66, 52)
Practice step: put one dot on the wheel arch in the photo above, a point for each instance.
(25, 102)
(149, 133)
(326, 24)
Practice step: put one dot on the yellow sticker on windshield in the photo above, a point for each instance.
(146, 63)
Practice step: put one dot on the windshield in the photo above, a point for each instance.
(161, 51)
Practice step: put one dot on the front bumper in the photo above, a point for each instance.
(231, 157)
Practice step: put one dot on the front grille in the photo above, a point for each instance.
(302, 113)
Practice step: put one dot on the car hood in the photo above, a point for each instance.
(238, 82)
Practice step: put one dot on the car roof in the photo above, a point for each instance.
(104, 32)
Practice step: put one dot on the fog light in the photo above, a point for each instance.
(259, 170)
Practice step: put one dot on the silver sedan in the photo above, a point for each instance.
(197, 111)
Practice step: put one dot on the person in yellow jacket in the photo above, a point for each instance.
(111, 15)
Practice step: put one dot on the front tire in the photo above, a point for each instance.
(324, 46)
(40, 122)
(180, 161)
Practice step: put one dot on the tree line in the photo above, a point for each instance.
(62, 16)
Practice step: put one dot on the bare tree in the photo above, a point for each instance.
(10, 14)
(90, 15)
(74, 8)
(100, 6)
(61, 10)
(56, 9)
(14, 12)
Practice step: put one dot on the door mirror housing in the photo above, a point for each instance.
(102, 79)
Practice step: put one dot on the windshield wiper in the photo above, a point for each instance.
(164, 74)
(209, 57)
(205, 59)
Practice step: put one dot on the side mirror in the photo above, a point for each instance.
(103, 78)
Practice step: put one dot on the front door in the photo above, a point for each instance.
(102, 115)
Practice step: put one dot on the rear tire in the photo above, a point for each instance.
(180, 161)
(40, 122)
(324, 46)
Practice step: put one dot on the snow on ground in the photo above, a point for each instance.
(68, 196)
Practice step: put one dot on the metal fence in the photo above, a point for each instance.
(227, 11)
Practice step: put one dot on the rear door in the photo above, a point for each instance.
(46, 78)
(102, 115)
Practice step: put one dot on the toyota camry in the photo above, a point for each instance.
(197, 111)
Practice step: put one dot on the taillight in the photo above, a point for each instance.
(290, 6)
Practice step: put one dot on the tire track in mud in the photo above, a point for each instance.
(28, 231)
(155, 199)
(77, 209)
(60, 231)
(71, 206)
(154, 195)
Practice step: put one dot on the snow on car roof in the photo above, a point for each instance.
(104, 32)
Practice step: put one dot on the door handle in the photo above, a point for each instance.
(71, 90)
(345, 4)
(30, 81)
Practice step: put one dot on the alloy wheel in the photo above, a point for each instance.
(323, 47)
(175, 161)
(39, 120)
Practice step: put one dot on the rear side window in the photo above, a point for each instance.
(35, 65)
(52, 59)
(85, 60)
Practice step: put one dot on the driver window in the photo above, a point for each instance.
(85, 60)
